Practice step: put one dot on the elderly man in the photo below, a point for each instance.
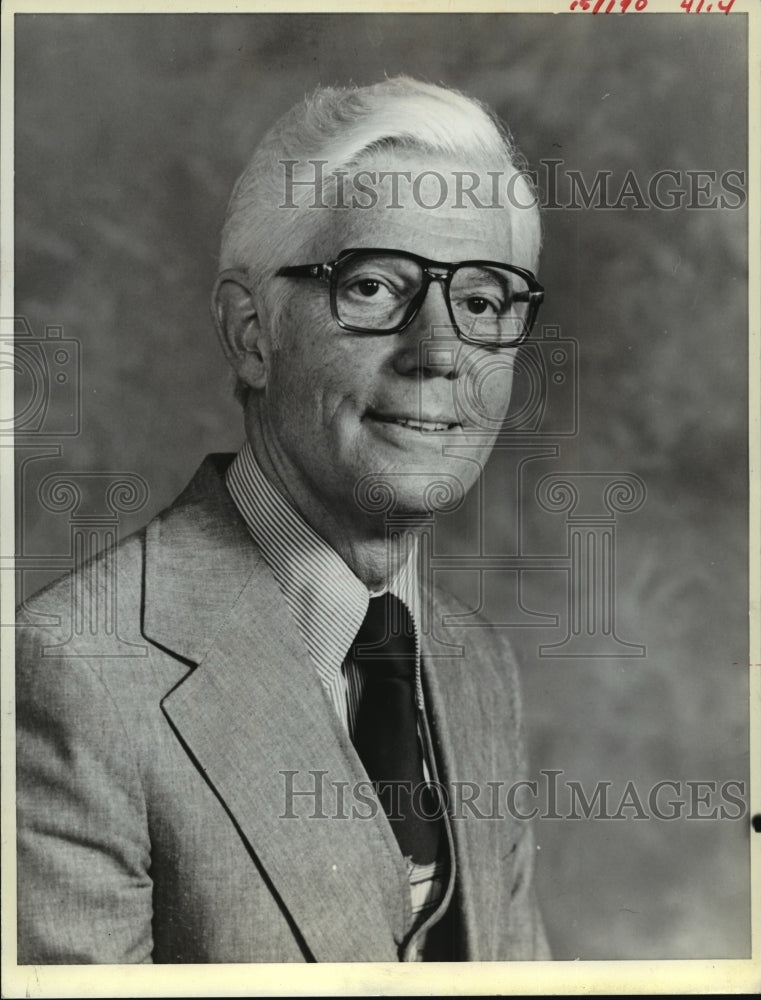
(279, 776)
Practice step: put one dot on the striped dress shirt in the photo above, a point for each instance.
(329, 604)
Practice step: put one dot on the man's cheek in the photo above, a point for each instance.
(498, 388)
(482, 402)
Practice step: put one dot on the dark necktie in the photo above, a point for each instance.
(386, 735)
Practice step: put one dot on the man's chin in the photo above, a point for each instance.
(408, 492)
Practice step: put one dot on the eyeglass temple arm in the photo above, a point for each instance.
(535, 297)
(319, 271)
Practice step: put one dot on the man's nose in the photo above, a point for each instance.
(429, 347)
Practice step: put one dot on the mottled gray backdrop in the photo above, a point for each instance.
(130, 131)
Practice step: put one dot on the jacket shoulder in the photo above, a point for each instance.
(456, 618)
(85, 601)
(109, 585)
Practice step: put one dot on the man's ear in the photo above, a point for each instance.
(245, 343)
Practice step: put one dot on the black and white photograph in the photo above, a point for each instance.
(380, 528)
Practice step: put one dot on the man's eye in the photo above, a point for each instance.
(477, 305)
(367, 287)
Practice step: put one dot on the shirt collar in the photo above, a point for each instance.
(325, 597)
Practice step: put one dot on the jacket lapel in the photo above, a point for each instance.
(254, 716)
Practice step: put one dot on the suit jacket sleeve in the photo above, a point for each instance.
(84, 886)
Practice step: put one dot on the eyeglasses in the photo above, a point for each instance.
(381, 291)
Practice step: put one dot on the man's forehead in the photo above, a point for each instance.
(438, 209)
(438, 233)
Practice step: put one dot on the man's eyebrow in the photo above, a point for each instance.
(501, 277)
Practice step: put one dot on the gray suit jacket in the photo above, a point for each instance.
(151, 792)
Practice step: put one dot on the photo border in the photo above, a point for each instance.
(625, 977)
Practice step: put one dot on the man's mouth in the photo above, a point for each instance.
(428, 426)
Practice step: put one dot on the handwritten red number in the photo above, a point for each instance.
(727, 6)
(600, 5)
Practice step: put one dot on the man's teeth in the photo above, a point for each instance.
(421, 425)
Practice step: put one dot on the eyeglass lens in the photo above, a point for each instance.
(489, 304)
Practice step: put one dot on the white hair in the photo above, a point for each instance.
(344, 128)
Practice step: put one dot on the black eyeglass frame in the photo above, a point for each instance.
(443, 273)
